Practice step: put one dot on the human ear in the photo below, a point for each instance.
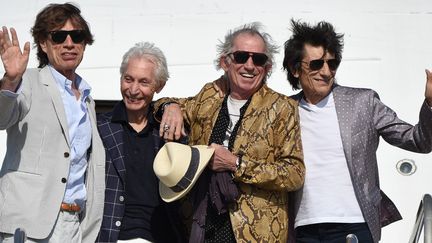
(43, 46)
(268, 68)
(159, 89)
(296, 70)
(224, 63)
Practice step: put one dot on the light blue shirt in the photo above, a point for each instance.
(79, 135)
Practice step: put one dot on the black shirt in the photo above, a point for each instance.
(145, 216)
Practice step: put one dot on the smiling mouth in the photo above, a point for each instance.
(325, 80)
(247, 75)
(69, 55)
(134, 99)
(322, 80)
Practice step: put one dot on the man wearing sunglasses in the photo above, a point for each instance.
(52, 179)
(340, 129)
(242, 195)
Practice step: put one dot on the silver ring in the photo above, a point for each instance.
(166, 127)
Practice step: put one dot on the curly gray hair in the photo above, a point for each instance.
(255, 28)
(150, 52)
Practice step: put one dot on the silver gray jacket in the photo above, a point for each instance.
(363, 119)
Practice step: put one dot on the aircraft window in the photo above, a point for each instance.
(406, 167)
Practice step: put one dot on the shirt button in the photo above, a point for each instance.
(66, 154)
(121, 198)
(63, 180)
(118, 223)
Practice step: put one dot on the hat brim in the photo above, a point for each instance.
(168, 195)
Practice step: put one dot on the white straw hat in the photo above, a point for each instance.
(178, 167)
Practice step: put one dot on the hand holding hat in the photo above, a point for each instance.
(178, 167)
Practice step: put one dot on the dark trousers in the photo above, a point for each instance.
(332, 233)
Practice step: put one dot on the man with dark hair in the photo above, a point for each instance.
(243, 194)
(340, 129)
(52, 178)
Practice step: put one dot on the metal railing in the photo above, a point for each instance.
(423, 221)
(351, 238)
(19, 236)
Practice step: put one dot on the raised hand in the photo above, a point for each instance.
(14, 60)
(428, 92)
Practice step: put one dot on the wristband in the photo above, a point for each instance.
(160, 111)
(238, 162)
(165, 105)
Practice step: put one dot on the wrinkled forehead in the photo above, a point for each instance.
(248, 42)
(74, 22)
(71, 22)
(311, 52)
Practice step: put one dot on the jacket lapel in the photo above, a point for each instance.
(47, 79)
(115, 142)
(345, 114)
(92, 116)
(91, 110)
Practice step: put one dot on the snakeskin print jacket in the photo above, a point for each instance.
(272, 162)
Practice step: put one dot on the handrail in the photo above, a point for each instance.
(351, 238)
(19, 236)
(423, 220)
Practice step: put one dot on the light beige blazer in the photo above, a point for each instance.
(32, 178)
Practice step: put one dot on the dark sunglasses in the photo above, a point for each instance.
(59, 36)
(241, 57)
(315, 65)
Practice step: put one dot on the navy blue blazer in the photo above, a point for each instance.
(113, 139)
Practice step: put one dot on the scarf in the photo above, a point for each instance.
(216, 186)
